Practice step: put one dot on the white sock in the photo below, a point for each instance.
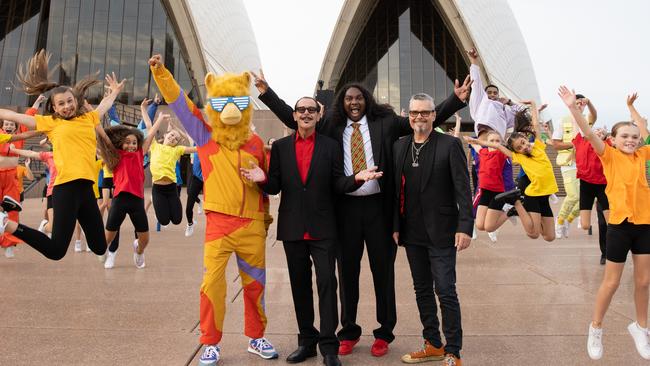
(507, 207)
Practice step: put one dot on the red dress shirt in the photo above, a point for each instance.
(304, 153)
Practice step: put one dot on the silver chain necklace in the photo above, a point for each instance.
(415, 152)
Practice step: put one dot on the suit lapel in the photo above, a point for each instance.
(428, 160)
(314, 157)
(292, 158)
(401, 158)
(375, 129)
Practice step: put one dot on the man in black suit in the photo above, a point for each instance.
(365, 215)
(307, 167)
(433, 221)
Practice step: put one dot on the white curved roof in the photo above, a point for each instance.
(487, 24)
(496, 34)
(217, 36)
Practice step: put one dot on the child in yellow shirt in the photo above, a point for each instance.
(71, 128)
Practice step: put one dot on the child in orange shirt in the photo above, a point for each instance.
(629, 222)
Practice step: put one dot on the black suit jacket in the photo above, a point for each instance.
(383, 134)
(444, 188)
(307, 207)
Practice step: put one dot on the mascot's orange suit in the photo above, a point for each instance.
(235, 208)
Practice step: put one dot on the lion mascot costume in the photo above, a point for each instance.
(235, 208)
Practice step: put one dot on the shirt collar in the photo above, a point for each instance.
(309, 138)
(362, 121)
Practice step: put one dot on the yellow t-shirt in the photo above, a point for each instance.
(4, 137)
(74, 145)
(627, 188)
(98, 167)
(539, 170)
(163, 160)
(107, 172)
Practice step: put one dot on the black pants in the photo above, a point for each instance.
(602, 229)
(361, 219)
(167, 204)
(194, 188)
(323, 254)
(71, 201)
(435, 268)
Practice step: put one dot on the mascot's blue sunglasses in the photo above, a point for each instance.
(218, 104)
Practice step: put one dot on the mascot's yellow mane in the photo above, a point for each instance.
(229, 85)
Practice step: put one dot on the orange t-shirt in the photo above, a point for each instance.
(20, 174)
(627, 188)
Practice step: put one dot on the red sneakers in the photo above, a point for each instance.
(379, 348)
(345, 347)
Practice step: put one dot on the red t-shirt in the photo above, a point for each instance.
(128, 175)
(48, 158)
(304, 153)
(490, 172)
(590, 169)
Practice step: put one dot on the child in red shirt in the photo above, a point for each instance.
(592, 178)
(125, 159)
(489, 214)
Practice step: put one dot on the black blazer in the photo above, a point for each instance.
(307, 207)
(383, 134)
(444, 188)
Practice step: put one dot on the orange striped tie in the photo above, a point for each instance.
(356, 149)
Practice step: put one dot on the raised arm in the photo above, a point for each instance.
(478, 91)
(115, 89)
(151, 133)
(593, 114)
(503, 149)
(569, 99)
(26, 153)
(23, 119)
(457, 125)
(189, 115)
(534, 117)
(641, 122)
(282, 110)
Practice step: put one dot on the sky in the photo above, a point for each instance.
(598, 47)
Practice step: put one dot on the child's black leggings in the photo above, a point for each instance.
(71, 201)
(167, 204)
(194, 188)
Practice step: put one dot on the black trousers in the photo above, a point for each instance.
(71, 201)
(602, 228)
(361, 219)
(435, 268)
(323, 255)
(166, 203)
(194, 188)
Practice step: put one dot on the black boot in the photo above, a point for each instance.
(301, 354)
(331, 360)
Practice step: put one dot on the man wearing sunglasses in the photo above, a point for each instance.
(365, 132)
(307, 167)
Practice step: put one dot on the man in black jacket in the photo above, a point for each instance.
(433, 221)
(365, 132)
(307, 167)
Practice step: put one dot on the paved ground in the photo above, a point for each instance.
(524, 302)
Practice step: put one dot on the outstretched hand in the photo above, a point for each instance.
(462, 91)
(254, 174)
(473, 54)
(155, 61)
(631, 99)
(260, 82)
(368, 174)
(567, 96)
(113, 85)
(145, 102)
(472, 140)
